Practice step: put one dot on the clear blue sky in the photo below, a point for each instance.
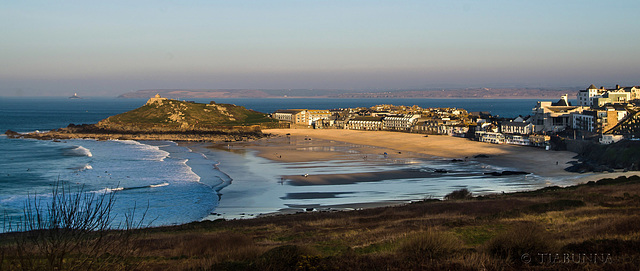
(111, 47)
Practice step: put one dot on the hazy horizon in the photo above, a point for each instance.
(113, 47)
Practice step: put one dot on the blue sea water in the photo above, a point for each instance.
(158, 174)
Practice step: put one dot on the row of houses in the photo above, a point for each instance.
(348, 119)
(384, 117)
(599, 110)
(597, 113)
(551, 117)
(441, 121)
(598, 97)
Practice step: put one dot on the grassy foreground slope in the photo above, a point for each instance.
(593, 226)
(590, 226)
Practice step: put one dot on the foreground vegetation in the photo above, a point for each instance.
(591, 226)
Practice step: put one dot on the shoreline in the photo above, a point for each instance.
(525, 158)
(265, 163)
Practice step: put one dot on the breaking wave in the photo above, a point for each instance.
(78, 151)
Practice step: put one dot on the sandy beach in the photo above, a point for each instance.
(296, 170)
(530, 159)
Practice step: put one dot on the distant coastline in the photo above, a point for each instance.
(458, 93)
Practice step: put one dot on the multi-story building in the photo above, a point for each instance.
(612, 97)
(540, 140)
(516, 127)
(554, 117)
(365, 123)
(490, 137)
(585, 121)
(634, 92)
(612, 115)
(296, 116)
(586, 96)
(314, 115)
(428, 126)
(596, 97)
(517, 140)
(400, 123)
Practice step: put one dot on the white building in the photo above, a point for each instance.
(513, 127)
(609, 138)
(400, 123)
(586, 97)
(490, 137)
(517, 140)
(365, 123)
(314, 115)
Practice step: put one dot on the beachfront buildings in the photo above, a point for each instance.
(365, 123)
(314, 116)
(596, 97)
(295, 116)
(517, 126)
(554, 117)
(598, 111)
(400, 123)
(490, 137)
(382, 117)
(301, 116)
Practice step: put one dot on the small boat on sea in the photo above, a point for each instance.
(75, 96)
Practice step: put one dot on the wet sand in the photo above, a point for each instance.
(302, 170)
(530, 159)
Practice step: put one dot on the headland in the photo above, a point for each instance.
(167, 119)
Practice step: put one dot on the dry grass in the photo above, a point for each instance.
(520, 239)
(490, 233)
(430, 245)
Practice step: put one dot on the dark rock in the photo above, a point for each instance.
(506, 173)
(12, 134)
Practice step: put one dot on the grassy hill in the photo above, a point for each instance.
(174, 114)
(166, 119)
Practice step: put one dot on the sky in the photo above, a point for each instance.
(106, 48)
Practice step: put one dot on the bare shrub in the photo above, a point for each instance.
(459, 194)
(71, 230)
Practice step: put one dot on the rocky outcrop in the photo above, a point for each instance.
(622, 155)
(95, 132)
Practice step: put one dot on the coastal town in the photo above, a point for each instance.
(605, 115)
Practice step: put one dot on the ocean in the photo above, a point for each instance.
(178, 183)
